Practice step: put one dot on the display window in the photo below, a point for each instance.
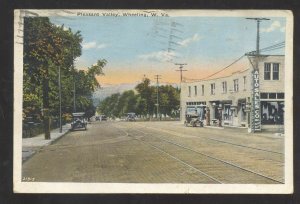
(272, 112)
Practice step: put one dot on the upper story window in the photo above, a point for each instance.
(236, 85)
(267, 71)
(271, 71)
(212, 88)
(244, 78)
(224, 86)
(275, 71)
(189, 91)
(196, 91)
(202, 92)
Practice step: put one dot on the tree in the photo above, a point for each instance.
(146, 91)
(46, 47)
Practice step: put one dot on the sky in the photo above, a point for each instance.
(145, 46)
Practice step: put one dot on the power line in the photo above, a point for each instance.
(235, 61)
(269, 48)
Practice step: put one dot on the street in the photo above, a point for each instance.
(159, 152)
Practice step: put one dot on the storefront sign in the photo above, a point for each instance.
(256, 116)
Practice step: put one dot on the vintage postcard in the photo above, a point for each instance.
(153, 101)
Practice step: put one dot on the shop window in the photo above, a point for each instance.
(236, 85)
(267, 71)
(275, 71)
(272, 112)
(227, 114)
(212, 88)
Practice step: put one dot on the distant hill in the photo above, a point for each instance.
(109, 89)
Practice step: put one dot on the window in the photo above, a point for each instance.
(275, 71)
(271, 72)
(244, 83)
(227, 113)
(224, 86)
(272, 112)
(280, 95)
(272, 95)
(195, 90)
(189, 91)
(236, 85)
(202, 90)
(212, 88)
(267, 71)
(264, 95)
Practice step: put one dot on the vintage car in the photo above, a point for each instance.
(130, 117)
(79, 121)
(193, 120)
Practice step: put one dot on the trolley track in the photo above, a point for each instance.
(218, 170)
(276, 156)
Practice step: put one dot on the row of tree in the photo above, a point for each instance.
(47, 49)
(142, 101)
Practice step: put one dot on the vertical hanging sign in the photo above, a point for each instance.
(256, 116)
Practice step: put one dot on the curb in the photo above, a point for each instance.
(38, 148)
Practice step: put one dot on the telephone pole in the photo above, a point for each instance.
(258, 20)
(181, 70)
(256, 109)
(157, 77)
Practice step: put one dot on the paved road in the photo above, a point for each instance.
(158, 152)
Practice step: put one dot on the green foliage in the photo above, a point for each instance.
(48, 48)
(142, 102)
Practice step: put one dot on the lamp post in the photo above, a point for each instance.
(220, 115)
(207, 116)
(59, 90)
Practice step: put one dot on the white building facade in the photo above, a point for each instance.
(229, 101)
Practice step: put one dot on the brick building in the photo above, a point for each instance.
(229, 100)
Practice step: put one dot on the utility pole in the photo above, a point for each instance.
(157, 77)
(181, 70)
(74, 87)
(256, 109)
(59, 90)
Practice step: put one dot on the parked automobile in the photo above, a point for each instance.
(103, 118)
(193, 120)
(79, 121)
(130, 117)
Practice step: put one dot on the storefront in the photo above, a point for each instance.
(253, 100)
(198, 108)
(272, 109)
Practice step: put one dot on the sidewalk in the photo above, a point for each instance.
(31, 145)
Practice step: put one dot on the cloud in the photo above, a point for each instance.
(64, 27)
(158, 56)
(187, 41)
(93, 44)
(276, 25)
(89, 45)
(100, 46)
